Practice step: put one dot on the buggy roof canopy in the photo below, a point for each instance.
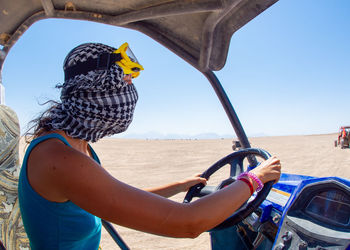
(199, 31)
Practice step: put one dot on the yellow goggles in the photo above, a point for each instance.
(128, 61)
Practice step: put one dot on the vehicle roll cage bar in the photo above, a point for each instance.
(230, 112)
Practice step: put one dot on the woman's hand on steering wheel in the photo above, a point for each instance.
(191, 181)
(268, 170)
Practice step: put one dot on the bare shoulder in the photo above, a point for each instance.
(54, 166)
(54, 155)
(49, 150)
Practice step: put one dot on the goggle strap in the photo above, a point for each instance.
(102, 62)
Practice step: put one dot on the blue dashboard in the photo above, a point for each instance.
(300, 212)
(309, 212)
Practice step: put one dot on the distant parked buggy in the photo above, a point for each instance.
(236, 145)
(343, 137)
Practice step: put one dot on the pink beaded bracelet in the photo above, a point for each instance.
(254, 178)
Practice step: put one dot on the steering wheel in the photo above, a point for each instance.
(235, 160)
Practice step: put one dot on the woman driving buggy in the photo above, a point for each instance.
(64, 191)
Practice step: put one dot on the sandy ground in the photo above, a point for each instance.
(147, 163)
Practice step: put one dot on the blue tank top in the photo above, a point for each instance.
(55, 225)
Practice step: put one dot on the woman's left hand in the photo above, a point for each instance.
(191, 181)
(177, 187)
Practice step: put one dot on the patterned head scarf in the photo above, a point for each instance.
(96, 104)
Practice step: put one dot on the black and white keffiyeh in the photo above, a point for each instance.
(96, 104)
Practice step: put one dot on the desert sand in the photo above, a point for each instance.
(148, 163)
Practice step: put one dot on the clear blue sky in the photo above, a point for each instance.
(287, 72)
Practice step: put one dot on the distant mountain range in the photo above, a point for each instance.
(160, 136)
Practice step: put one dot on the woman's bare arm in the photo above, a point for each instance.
(71, 174)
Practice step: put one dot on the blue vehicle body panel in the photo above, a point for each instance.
(276, 209)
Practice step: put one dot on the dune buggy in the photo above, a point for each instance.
(299, 212)
(343, 137)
